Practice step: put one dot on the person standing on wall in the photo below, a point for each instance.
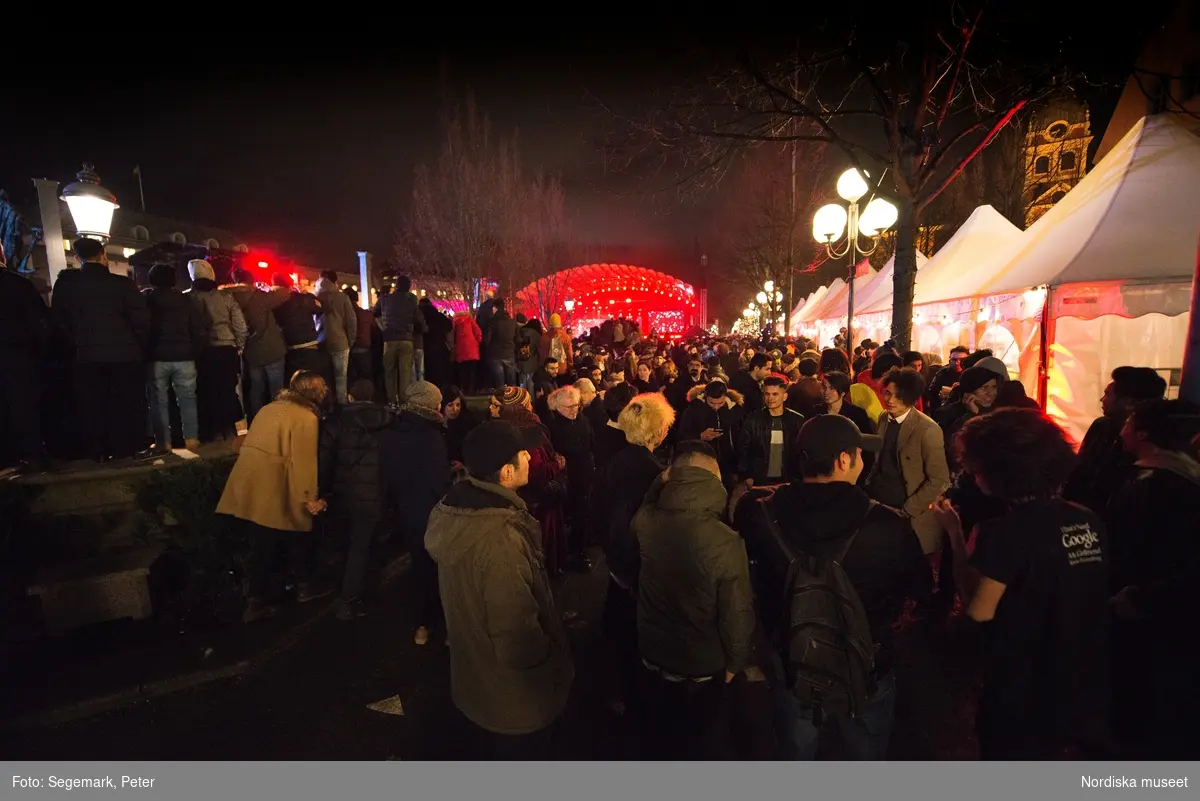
(402, 321)
(337, 328)
(107, 321)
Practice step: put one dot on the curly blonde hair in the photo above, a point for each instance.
(645, 419)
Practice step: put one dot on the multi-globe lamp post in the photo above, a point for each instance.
(833, 219)
(768, 302)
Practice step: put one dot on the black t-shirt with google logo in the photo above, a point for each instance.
(1048, 659)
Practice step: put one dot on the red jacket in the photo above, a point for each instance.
(467, 338)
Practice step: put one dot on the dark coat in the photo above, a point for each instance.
(530, 337)
(619, 494)
(751, 390)
(178, 329)
(295, 318)
(510, 660)
(348, 459)
(573, 439)
(884, 563)
(416, 469)
(695, 608)
(24, 318)
(264, 341)
(700, 416)
(103, 314)
(437, 335)
(754, 447)
(500, 338)
(400, 318)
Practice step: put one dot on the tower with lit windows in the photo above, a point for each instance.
(1056, 152)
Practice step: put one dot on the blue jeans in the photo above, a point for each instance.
(265, 383)
(503, 372)
(525, 380)
(862, 739)
(341, 366)
(418, 365)
(182, 377)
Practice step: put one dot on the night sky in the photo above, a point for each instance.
(311, 143)
(315, 147)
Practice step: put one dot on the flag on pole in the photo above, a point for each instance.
(137, 170)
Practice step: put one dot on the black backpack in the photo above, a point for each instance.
(820, 627)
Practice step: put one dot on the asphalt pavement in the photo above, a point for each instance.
(313, 700)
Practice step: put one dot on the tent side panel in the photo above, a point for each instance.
(1086, 351)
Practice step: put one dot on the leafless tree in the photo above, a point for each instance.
(460, 214)
(541, 242)
(912, 97)
(765, 230)
(476, 215)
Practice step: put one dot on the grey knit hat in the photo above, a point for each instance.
(199, 268)
(425, 395)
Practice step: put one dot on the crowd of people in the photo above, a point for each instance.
(757, 503)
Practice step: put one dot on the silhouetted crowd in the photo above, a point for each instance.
(761, 506)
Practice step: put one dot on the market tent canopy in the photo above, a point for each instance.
(836, 288)
(978, 248)
(1133, 217)
(877, 296)
(801, 315)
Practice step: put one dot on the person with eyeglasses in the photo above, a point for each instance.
(945, 379)
(572, 437)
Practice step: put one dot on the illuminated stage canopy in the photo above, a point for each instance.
(598, 292)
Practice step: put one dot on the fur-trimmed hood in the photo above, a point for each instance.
(732, 396)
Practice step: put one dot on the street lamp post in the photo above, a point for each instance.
(831, 220)
(769, 300)
(569, 306)
(90, 204)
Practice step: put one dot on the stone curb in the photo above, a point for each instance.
(90, 707)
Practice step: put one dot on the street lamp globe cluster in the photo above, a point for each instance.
(833, 219)
(768, 306)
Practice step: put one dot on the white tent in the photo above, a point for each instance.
(873, 306)
(1114, 259)
(797, 315)
(835, 286)
(1133, 217)
(877, 296)
(966, 262)
(833, 307)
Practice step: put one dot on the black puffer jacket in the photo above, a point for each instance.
(295, 318)
(103, 315)
(178, 330)
(348, 459)
(24, 318)
(623, 487)
(500, 339)
(884, 563)
(400, 317)
(754, 447)
(415, 469)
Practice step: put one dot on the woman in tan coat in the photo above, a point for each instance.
(273, 489)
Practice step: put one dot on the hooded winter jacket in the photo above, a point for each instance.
(510, 663)
(348, 459)
(227, 325)
(337, 327)
(884, 563)
(695, 610)
(178, 328)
